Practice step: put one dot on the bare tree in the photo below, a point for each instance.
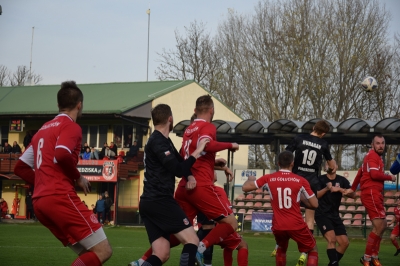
(4, 73)
(194, 57)
(296, 59)
(22, 76)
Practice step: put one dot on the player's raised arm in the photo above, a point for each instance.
(250, 184)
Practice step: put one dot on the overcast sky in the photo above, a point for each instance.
(97, 41)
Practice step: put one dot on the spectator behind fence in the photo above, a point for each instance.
(16, 149)
(128, 141)
(83, 149)
(103, 150)
(94, 155)
(28, 138)
(111, 151)
(3, 208)
(29, 206)
(7, 148)
(108, 203)
(100, 209)
(86, 154)
(133, 151)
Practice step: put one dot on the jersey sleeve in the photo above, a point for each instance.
(261, 181)
(306, 189)
(166, 154)
(209, 131)
(28, 156)
(326, 152)
(373, 162)
(70, 137)
(292, 145)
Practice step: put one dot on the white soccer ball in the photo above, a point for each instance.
(369, 84)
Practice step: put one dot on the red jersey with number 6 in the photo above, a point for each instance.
(60, 133)
(285, 189)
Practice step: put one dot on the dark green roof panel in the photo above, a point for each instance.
(104, 98)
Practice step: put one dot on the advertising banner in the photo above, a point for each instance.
(98, 170)
(242, 175)
(261, 221)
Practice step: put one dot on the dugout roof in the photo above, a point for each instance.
(349, 131)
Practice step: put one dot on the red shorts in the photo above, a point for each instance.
(231, 242)
(395, 230)
(66, 217)
(211, 203)
(303, 237)
(373, 202)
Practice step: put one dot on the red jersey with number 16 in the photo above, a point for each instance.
(203, 168)
(285, 189)
(60, 133)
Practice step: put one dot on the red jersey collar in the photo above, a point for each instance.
(62, 114)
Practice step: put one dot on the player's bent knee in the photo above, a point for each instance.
(103, 250)
(243, 244)
(230, 220)
(315, 248)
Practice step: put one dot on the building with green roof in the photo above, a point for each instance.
(118, 112)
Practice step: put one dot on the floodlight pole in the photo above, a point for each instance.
(148, 43)
(30, 67)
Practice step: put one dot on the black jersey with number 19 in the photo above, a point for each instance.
(309, 151)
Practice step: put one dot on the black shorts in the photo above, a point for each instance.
(203, 220)
(327, 223)
(162, 218)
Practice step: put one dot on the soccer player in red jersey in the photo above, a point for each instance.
(53, 154)
(204, 198)
(286, 190)
(371, 177)
(396, 229)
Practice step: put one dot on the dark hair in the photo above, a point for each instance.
(377, 136)
(69, 95)
(160, 114)
(285, 158)
(321, 127)
(203, 103)
(192, 118)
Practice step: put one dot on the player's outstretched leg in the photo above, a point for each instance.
(395, 244)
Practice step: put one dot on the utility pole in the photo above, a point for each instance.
(148, 42)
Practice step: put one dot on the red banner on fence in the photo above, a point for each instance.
(98, 170)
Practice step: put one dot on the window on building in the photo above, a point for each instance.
(94, 135)
(4, 134)
(125, 135)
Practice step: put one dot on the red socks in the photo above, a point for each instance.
(228, 259)
(373, 245)
(312, 258)
(280, 258)
(148, 253)
(395, 243)
(220, 231)
(87, 259)
(243, 257)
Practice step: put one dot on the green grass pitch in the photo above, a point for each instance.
(34, 245)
